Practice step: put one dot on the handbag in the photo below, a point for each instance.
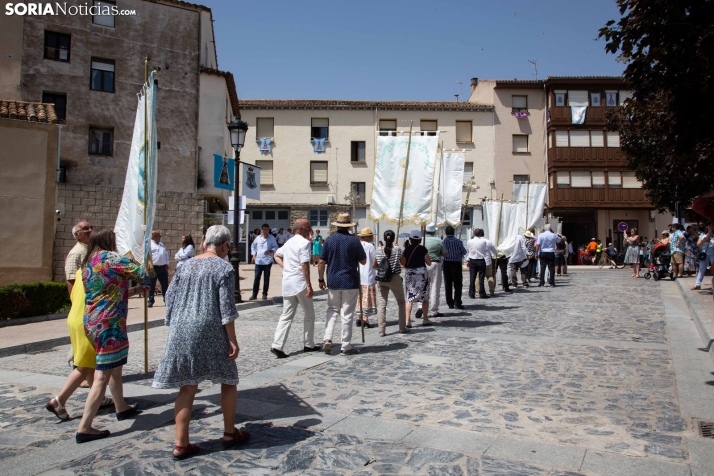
(702, 255)
(384, 271)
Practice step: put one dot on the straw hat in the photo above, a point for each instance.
(365, 232)
(528, 234)
(343, 220)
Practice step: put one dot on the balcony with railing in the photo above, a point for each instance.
(563, 116)
(603, 197)
(564, 157)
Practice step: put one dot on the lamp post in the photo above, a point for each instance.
(237, 129)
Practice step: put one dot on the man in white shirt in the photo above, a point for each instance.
(294, 258)
(546, 245)
(516, 262)
(281, 237)
(160, 258)
(480, 257)
(262, 249)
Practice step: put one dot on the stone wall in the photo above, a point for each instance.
(177, 213)
(301, 211)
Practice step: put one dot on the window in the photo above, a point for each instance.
(561, 138)
(579, 138)
(101, 141)
(560, 98)
(562, 179)
(102, 78)
(283, 215)
(57, 46)
(266, 171)
(270, 215)
(464, 130)
(521, 178)
(551, 179)
(519, 103)
(386, 125)
(613, 139)
(429, 126)
(319, 217)
(60, 102)
(595, 98)
(320, 128)
(106, 17)
(318, 173)
(629, 180)
(598, 179)
(264, 127)
(597, 139)
(468, 170)
(361, 213)
(257, 215)
(624, 95)
(520, 143)
(611, 98)
(578, 98)
(550, 140)
(358, 148)
(614, 180)
(359, 189)
(580, 179)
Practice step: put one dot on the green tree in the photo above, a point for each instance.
(667, 127)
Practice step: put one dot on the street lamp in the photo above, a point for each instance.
(237, 129)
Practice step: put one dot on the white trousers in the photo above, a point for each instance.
(341, 303)
(290, 305)
(435, 277)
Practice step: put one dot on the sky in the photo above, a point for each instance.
(404, 50)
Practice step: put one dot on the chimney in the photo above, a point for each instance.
(474, 82)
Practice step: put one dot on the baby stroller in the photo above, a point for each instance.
(659, 266)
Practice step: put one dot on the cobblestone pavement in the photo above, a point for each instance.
(577, 380)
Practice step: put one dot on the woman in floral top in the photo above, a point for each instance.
(106, 276)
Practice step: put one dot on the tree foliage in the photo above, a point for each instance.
(667, 127)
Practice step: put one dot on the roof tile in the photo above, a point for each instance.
(334, 104)
(28, 111)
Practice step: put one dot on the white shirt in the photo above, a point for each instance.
(281, 238)
(294, 253)
(366, 272)
(183, 255)
(481, 248)
(519, 252)
(159, 255)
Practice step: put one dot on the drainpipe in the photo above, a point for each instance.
(59, 146)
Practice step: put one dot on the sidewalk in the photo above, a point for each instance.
(701, 307)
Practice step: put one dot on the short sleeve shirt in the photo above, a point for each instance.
(393, 258)
(294, 253)
(547, 241)
(414, 255)
(342, 252)
(74, 261)
(673, 242)
(435, 247)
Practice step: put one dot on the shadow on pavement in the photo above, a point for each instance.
(469, 324)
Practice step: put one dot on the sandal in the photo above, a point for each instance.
(62, 416)
(107, 402)
(427, 323)
(183, 452)
(237, 436)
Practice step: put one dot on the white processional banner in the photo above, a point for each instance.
(251, 182)
(389, 179)
(448, 186)
(500, 223)
(533, 196)
(132, 240)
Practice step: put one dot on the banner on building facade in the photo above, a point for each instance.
(250, 187)
(448, 188)
(389, 180)
(224, 170)
(533, 196)
(132, 234)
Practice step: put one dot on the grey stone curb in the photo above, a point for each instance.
(30, 320)
(704, 324)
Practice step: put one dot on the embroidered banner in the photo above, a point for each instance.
(448, 186)
(533, 196)
(265, 144)
(250, 186)
(224, 170)
(318, 145)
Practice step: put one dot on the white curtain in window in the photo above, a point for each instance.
(613, 139)
(561, 138)
(563, 177)
(597, 139)
(580, 179)
(598, 179)
(579, 138)
(578, 98)
(318, 170)
(614, 179)
(629, 180)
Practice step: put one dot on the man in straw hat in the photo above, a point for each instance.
(367, 279)
(294, 258)
(342, 253)
(436, 250)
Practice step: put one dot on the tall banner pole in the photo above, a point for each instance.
(466, 206)
(146, 207)
(498, 237)
(528, 189)
(404, 182)
(438, 186)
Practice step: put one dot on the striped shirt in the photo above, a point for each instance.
(455, 250)
(393, 258)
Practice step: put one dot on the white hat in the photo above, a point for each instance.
(430, 229)
(415, 234)
(274, 230)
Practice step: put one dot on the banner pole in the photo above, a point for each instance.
(466, 206)
(404, 182)
(146, 206)
(438, 187)
(528, 188)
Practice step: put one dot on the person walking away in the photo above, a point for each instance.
(395, 283)
(632, 255)
(480, 252)
(202, 343)
(545, 245)
(106, 274)
(706, 255)
(281, 237)
(592, 250)
(160, 260)
(501, 266)
(317, 242)
(415, 259)
(367, 279)
(452, 268)
(294, 258)
(611, 254)
(519, 262)
(81, 232)
(530, 239)
(262, 250)
(568, 250)
(691, 250)
(341, 254)
(560, 256)
(186, 251)
(435, 247)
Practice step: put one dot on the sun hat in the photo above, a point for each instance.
(343, 220)
(366, 232)
(415, 234)
(430, 229)
(528, 234)
(274, 230)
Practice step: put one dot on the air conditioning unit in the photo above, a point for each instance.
(330, 199)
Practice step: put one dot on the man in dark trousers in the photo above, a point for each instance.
(160, 259)
(546, 245)
(452, 268)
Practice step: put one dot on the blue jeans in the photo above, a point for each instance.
(265, 270)
(703, 265)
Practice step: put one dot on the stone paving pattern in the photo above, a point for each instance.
(583, 366)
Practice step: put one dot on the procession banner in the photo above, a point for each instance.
(500, 223)
(133, 237)
(224, 169)
(389, 179)
(251, 181)
(533, 196)
(451, 185)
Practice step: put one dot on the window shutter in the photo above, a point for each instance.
(468, 170)
(550, 141)
(266, 171)
(598, 179)
(102, 65)
(320, 122)
(387, 125)
(561, 138)
(428, 125)
(597, 139)
(614, 179)
(519, 102)
(579, 138)
(265, 127)
(562, 177)
(580, 179)
(613, 139)
(464, 131)
(520, 143)
(578, 98)
(318, 172)
(629, 180)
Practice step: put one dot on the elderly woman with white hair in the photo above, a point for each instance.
(202, 345)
